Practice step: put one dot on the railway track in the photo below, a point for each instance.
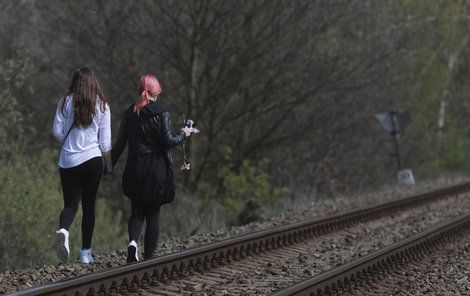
(350, 276)
(148, 275)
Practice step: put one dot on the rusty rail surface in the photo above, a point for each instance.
(374, 266)
(129, 277)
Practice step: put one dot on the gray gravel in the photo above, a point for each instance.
(284, 267)
(445, 272)
(14, 280)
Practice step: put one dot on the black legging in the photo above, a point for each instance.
(82, 182)
(151, 214)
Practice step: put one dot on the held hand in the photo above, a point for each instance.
(109, 177)
(187, 131)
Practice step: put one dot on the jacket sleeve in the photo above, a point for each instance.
(121, 139)
(170, 139)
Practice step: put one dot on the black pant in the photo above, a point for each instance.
(151, 214)
(82, 182)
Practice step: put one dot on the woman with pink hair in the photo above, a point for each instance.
(148, 176)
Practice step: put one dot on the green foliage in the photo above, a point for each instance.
(439, 57)
(12, 129)
(455, 149)
(30, 200)
(243, 191)
(29, 191)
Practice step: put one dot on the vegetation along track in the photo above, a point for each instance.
(373, 267)
(148, 274)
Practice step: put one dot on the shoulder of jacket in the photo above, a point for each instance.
(129, 109)
(156, 108)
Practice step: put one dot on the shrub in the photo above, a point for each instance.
(245, 190)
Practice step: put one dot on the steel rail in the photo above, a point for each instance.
(375, 265)
(150, 272)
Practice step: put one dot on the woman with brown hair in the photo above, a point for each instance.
(82, 124)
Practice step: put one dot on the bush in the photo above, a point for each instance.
(30, 200)
(245, 190)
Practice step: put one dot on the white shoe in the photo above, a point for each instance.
(132, 252)
(85, 256)
(62, 245)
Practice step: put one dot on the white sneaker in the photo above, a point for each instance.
(132, 252)
(62, 245)
(85, 256)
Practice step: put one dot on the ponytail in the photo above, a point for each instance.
(143, 101)
(149, 88)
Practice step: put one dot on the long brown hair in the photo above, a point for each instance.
(84, 89)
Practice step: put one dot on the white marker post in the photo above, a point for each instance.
(405, 177)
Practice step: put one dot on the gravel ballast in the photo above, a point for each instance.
(261, 275)
(445, 271)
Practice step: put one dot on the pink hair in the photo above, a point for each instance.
(149, 88)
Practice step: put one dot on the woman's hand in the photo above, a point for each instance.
(187, 131)
(109, 177)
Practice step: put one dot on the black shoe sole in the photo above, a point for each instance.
(132, 254)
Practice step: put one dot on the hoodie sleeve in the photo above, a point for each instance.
(59, 123)
(105, 131)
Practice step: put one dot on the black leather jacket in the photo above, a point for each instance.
(148, 132)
